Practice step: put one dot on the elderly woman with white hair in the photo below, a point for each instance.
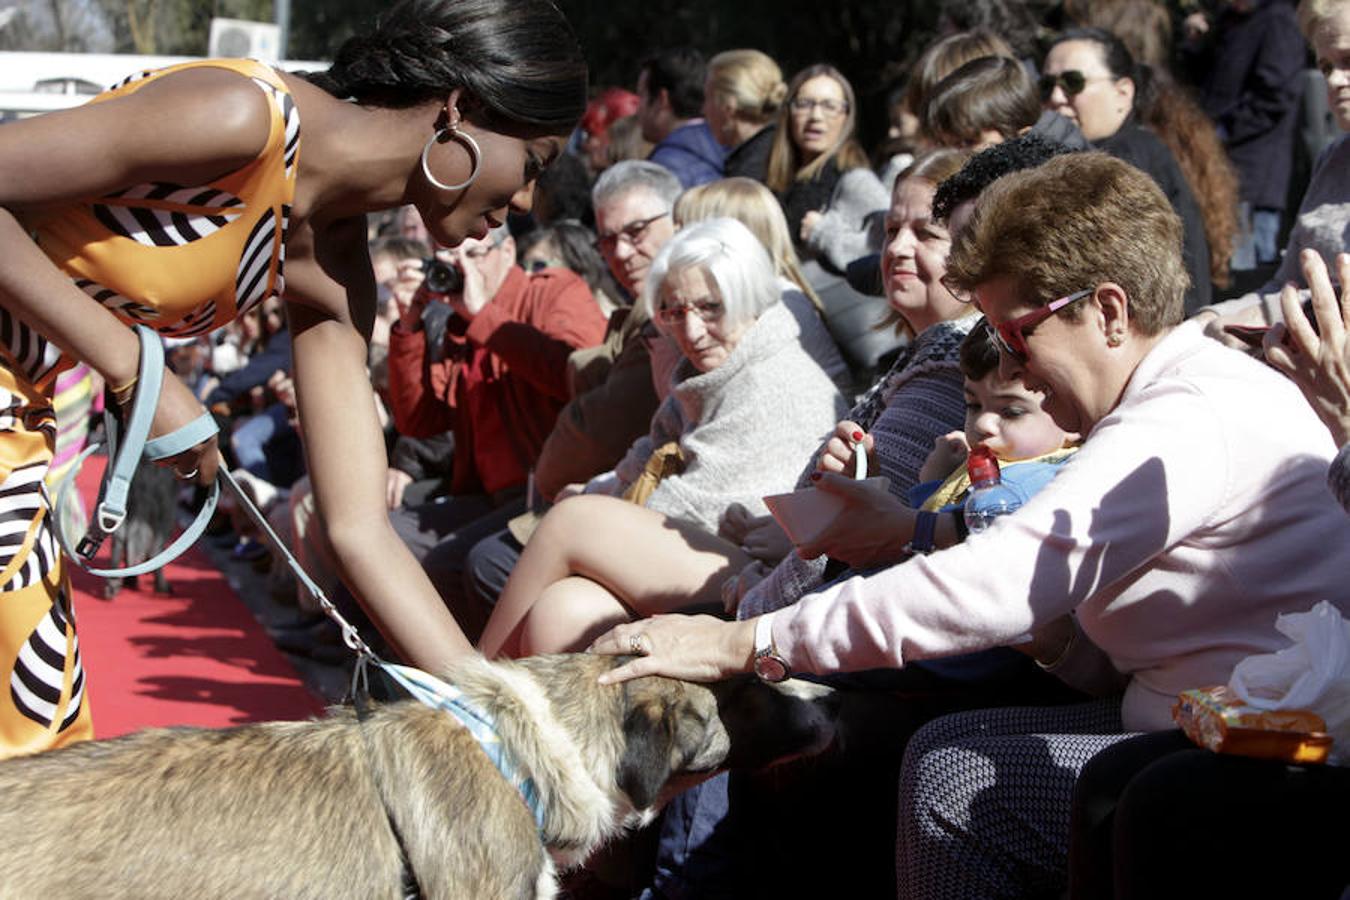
(747, 405)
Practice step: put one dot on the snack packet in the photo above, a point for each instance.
(1218, 719)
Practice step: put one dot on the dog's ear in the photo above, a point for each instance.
(649, 744)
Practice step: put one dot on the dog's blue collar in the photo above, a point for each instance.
(437, 694)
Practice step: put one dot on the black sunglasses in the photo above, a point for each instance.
(1072, 81)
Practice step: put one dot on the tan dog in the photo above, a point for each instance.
(403, 802)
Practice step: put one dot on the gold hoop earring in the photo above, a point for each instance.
(466, 140)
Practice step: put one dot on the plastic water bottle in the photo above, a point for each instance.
(989, 497)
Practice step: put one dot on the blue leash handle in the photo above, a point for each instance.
(126, 451)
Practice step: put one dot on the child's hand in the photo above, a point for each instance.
(949, 451)
(766, 540)
(759, 536)
(737, 586)
(736, 521)
(838, 453)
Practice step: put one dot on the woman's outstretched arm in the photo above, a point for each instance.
(642, 560)
(333, 300)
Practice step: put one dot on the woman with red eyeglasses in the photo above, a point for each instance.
(1195, 513)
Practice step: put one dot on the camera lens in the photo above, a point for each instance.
(442, 277)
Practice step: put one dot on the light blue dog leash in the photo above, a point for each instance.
(124, 460)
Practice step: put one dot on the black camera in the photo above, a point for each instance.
(442, 277)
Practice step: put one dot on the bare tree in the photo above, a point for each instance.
(54, 25)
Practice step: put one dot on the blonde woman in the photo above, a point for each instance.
(741, 100)
(820, 173)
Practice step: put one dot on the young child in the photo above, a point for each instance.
(1004, 416)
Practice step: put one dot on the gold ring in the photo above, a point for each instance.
(637, 645)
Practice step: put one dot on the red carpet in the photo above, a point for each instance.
(197, 657)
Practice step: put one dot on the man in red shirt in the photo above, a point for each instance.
(489, 365)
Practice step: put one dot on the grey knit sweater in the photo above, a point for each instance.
(744, 428)
(850, 227)
(919, 399)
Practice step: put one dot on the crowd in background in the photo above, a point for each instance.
(720, 290)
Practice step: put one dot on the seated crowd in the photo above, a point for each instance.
(719, 297)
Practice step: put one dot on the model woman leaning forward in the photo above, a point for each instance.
(173, 201)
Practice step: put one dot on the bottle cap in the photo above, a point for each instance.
(982, 464)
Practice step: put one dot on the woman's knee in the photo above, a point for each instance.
(568, 615)
(575, 525)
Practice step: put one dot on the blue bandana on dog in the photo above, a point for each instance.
(437, 694)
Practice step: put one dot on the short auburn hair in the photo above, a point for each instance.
(1075, 222)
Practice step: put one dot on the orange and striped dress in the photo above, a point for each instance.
(182, 259)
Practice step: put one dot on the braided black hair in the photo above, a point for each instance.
(519, 58)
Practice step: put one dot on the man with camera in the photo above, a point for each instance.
(481, 351)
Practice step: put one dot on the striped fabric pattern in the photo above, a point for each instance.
(251, 282)
(116, 303)
(167, 215)
(291, 117)
(34, 355)
(182, 259)
(39, 671)
(133, 78)
(23, 498)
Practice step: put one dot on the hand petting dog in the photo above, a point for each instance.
(694, 648)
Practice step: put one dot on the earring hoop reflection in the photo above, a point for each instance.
(465, 140)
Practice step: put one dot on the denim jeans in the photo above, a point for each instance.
(266, 446)
(1258, 237)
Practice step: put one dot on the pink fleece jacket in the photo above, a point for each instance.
(1196, 512)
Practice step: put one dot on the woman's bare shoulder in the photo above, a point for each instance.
(188, 126)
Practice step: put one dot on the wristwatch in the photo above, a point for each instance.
(769, 666)
(925, 529)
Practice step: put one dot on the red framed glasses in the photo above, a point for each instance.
(1011, 336)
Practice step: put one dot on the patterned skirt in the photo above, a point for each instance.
(42, 684)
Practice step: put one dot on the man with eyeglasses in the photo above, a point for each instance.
(670, 110)
(613, 393)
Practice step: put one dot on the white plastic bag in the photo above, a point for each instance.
(1313, 674)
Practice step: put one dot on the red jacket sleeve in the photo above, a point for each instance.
(535, 322)
(421, 400)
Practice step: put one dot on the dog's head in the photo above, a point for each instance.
(603, 757)
(677, 733)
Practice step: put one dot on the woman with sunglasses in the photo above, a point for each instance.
(747, 405)
(1090, 78)
(820, 173)
(1195, 512)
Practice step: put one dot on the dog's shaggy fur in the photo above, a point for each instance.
(337, 808)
